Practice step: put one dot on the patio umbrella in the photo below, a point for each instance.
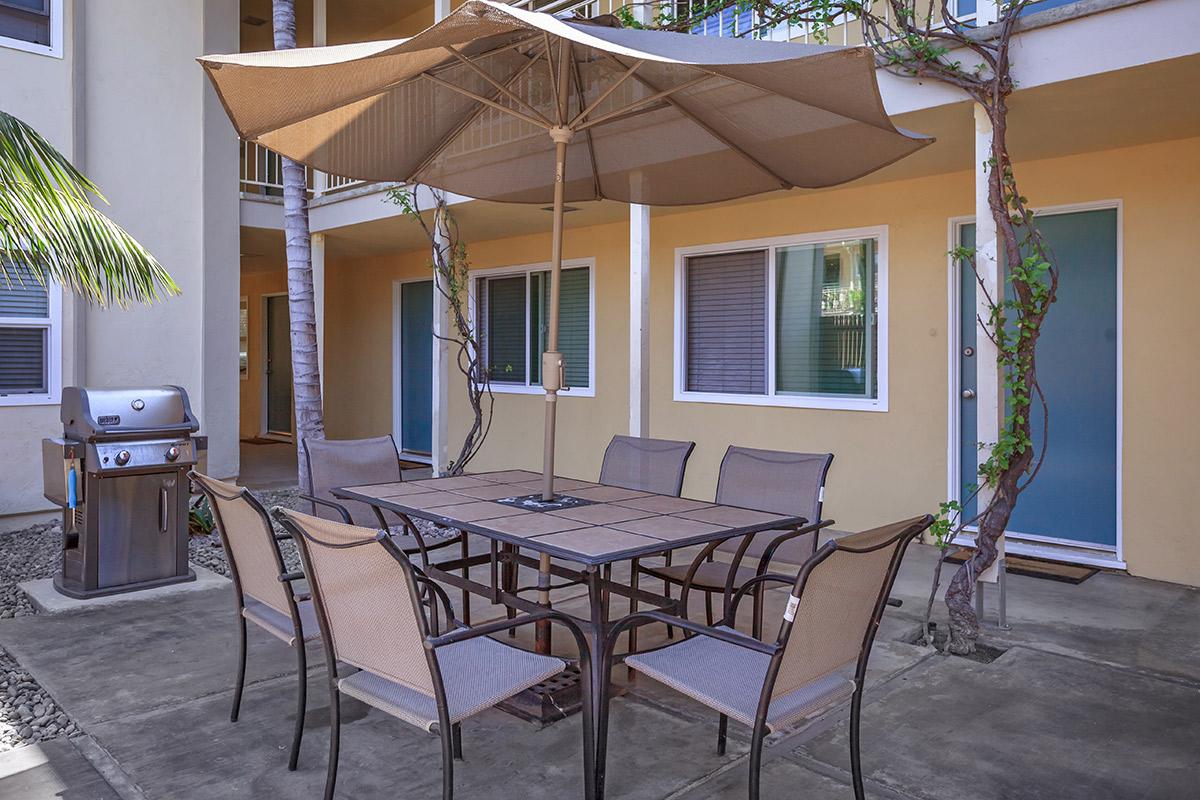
(498, 103)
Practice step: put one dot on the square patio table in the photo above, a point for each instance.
(602, 525)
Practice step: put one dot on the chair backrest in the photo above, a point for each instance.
(773, 480)
(249, 540)
(650, 465)
(366, 597)
(334, 463)
(838, 598)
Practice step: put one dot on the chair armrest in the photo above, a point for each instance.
(439, 594)
(773, 545)
(330, 504)
(728, 636)
(745, 588)
(463, 634)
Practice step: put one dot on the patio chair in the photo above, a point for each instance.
(764, 480)
(334, 463)
(833, 612)
(648, 465)
(371, 616)
(262, 586)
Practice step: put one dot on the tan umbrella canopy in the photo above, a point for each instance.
(498, 103)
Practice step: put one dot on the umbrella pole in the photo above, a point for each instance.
(552, 363)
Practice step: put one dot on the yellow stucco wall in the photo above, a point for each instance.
(888, 465)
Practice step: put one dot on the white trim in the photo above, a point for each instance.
(52, 324)
(1052, 550)
(526, 269)
(770, 244)
(397, 379)
(55, 48)
(1023, 543)
(264, 431)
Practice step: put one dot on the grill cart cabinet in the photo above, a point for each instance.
(120, 474)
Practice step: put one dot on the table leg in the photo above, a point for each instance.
(541, 639)
(599, 674)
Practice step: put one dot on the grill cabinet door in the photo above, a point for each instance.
(137, 528)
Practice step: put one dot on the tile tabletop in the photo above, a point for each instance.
(613, 524)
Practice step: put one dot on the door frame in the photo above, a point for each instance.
(397, 386)
(264, 431)
(1021, 543)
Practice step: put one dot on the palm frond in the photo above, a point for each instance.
(50, 229)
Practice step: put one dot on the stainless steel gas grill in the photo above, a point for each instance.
(120, 474)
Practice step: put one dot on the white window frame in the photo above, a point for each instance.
(497, 387)
(55, 49)
(880, 403)
(52, 324)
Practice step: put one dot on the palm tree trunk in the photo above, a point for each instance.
(306, 370)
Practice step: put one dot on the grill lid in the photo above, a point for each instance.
(89, 414)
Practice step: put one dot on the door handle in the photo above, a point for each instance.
(968, 394)
(162, 509)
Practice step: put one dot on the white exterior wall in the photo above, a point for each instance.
(129, 105)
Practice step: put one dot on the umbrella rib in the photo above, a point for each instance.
(537, 123)
(784, 183)
(503, 89)
(604, 95)
(472, 115)
(591, 145)
(659, 94)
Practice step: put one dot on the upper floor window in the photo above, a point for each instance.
(29, 340)
(796, 321)
(511, 310)
(32, 25)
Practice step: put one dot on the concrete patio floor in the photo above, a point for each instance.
(1096, 696)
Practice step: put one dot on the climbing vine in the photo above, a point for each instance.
(452, 271)
(925, 40)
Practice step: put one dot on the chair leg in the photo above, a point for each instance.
(511, 575)
(633, 607)
(757, 623)
(241, 675)
(456, 730)
(682, 611)
(447, 735)
(855, 756)
(722, 733)
(466, 574)
(335, 736)
(708, 607)
(301, 704)
(756, 746)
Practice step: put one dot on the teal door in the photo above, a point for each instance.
(416, 367)
(1074, 497)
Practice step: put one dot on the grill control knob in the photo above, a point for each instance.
(122, 458)
(172, 453)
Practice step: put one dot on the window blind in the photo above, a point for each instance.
(726, 320)
(23, 361)
(26, 20)
(574, 324)
(505, 318)
(21, 295)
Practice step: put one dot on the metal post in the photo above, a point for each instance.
(639, 320)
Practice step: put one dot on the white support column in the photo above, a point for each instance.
(440, 418)
(639, 320)
(988, 391)
(320, 23)
(318, 276)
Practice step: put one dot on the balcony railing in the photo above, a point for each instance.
(262, 174)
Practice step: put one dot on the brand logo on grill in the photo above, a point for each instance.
(109, 419)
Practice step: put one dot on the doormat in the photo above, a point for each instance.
(261, 440)
(404, 464)
(1032, 567)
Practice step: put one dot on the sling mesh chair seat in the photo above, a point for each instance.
(266, 592)
(368, 599)
(763, 480)
(336, 463)
(818, 659)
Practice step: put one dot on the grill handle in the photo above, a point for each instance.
(163, 503)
